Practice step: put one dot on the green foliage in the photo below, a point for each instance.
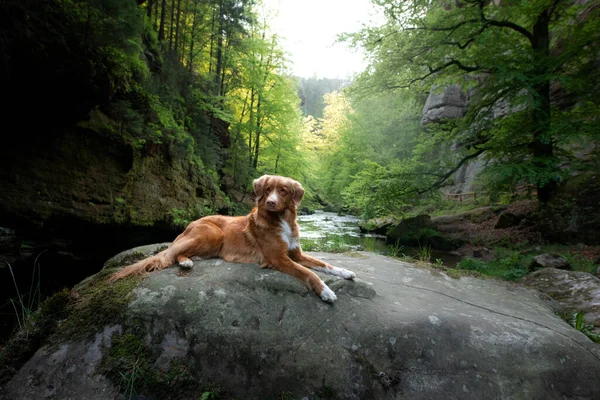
(369, 243)
(507, 264)
(179, 218)
(201, 82)
(577, 321)
(425, 253)
(472, 264)
(311, 92)
(26, 304)
(361, 145)
(38, 326)
(426, 46)
(395, 249)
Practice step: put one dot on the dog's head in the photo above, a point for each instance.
(277, 193)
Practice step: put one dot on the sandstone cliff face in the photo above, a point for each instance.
(83, 175)
(72, 197)
(451, 103)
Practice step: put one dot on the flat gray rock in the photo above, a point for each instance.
(397, 332)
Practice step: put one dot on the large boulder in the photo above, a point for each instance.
(421, 231)
(549, 261)
(572, 291)
(378, 226)
(398, 331)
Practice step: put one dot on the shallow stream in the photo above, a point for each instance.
(328, 231)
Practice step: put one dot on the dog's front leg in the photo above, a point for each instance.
(306, 276)
(318, 265)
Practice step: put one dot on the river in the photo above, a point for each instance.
(328, 231)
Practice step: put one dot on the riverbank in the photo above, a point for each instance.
(497, 241)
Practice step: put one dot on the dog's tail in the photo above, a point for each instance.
(153, 263)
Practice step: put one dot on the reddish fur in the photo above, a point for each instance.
(254, 238)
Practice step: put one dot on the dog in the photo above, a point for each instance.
(268, 236)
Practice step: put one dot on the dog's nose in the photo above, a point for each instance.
(271, 203)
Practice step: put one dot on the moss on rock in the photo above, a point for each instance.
(36, 330)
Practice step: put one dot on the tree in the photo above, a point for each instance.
(357, 146)
(519, 56)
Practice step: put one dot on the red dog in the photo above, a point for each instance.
(269, 236)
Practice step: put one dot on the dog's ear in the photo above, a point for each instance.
(298, 193)
(259, 186)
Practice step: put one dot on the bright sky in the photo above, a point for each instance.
(308, 30)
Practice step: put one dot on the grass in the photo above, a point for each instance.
(512, 262)
(38, 326)
(395, 250)
(26, 304)
(370, 243)
(128, 380)
(507, 264)
(425, 253)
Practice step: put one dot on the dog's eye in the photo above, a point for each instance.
(267, 188)
(283, 189)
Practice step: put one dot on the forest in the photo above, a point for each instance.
(208, 81)
(469, 146)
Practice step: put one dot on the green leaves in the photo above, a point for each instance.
(525, 67)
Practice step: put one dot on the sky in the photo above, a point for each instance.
(308, 29)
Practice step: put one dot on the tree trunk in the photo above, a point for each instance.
(251, 119)
(184, 33)
(149, 9)
(542, 145)
(192, 34)
(177, 27)
(161, 29)
(219, 65)
(258, 128)
(171, 26)
(212, 40)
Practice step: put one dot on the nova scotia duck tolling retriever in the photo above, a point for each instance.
(268, 236)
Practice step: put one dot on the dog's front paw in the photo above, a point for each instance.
(342, 272)
(327, 294)
(186, 263)
(347, 274)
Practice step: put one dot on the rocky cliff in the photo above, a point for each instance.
(72, 197)
(444, 105)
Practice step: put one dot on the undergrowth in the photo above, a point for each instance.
(577, 321)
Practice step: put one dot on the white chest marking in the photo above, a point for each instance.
(286, 235)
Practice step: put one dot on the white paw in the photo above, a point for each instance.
(186, 263)
(344, 273)
(327, 294)
(341, 272)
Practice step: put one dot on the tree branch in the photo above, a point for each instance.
(502, 24)
(448, 174)
(433, 71)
